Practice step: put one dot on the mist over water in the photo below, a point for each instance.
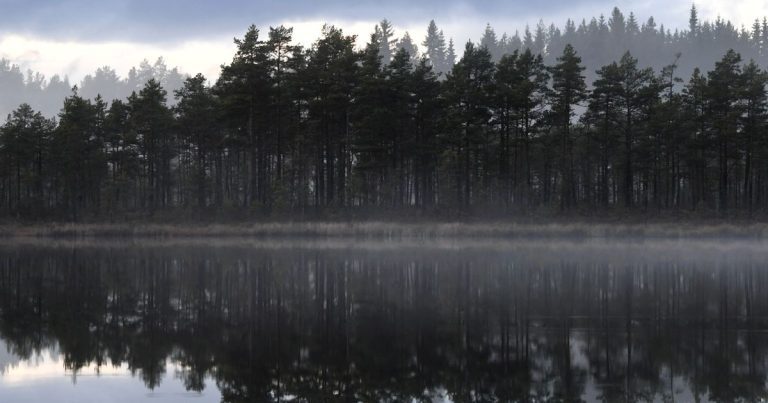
(562, 212)
(326, 320)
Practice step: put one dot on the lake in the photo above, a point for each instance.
(236, 320)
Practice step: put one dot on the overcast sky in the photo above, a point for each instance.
(75, 37)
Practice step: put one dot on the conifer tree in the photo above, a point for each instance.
(434, 48)
(568, 91)
(387, 41)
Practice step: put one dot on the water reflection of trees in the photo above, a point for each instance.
(382, 326)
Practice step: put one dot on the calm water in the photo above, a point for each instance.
(370, 321)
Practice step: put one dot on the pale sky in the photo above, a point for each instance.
(73, 38)
(43, 376)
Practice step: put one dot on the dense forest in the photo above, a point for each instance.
(556, 121)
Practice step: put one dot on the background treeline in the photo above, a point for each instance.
(504, 129)
(46, 94)
(599, 41)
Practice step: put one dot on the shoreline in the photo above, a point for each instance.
(393, 230)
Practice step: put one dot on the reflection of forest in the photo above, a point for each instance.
(385, 326)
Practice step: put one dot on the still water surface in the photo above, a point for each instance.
(315, 321)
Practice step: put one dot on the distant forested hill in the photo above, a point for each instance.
(47, 94)
(602, 40)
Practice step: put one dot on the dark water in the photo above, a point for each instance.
(370, 321)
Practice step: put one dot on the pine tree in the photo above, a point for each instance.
(532, 92)
(568, 90)
(723, 90)
(197, 115)
(434, 45)
(755, 105)
(428, 109)
(151, 121)
(491, 43)
(387, 41)
(764, 37)
(121, 151)
(245, 87)
(332, 72)
(632, 26)
(540, 39)
(617, 24)
(25, 151)
(469, 91)
(280, 50)
(528, 40)
(371, 123)
(698, 141)
(80, 160)
(450, 56)
(507, 79)
(400, 140)
(604, 115)
(639, 91)
(756, 36)
(406, 43)
(693, 22)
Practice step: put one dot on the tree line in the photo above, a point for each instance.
(46, 94)
(600, 40)
(332, 129)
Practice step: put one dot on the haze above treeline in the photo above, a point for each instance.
(598, 40)
(333, 130)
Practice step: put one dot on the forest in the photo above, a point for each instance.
(607, 116)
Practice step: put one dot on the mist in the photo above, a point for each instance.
(568, 211)
(46, 94)
(514, 322)
(599, 40)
